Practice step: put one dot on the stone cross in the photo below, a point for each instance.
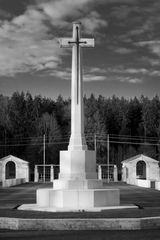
(77, 139)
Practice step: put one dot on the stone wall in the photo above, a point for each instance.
(13, 182)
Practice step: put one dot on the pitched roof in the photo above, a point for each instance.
(14, 158)
(138, 156)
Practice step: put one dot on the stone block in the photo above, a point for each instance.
(78, 199)
(13, 182)
(78, 184)
(77, 164)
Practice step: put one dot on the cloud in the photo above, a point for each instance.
(146, 27)
(25, 45)
(130, 80)
(93, 70)
(147, 20)
(28, 42)
(64, 75)
(122, 12)
(4, 14)
(122, 50)
(139, 21)
(153, 45)
(134, 71)
(90, 74)
(61, 12)
(155, 73)
(60, 9)
(118, 1)
(92, 22)
(152, 61)
(93, 78)
(148, 43)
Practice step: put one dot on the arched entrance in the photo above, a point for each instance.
(10, 170)
(141, 170)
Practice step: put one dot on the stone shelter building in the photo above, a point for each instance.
(142, 171)
(13, 171)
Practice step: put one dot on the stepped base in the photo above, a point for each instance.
(77, 188)
(77, 184)
(35, 207)
(74, 199)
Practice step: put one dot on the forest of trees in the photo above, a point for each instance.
(133, 126)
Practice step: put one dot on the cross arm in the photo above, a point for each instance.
(87, 42)
(65, 42)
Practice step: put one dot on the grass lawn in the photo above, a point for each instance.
(148, 201)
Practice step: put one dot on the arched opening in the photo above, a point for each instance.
(141, 170)
(10, 170)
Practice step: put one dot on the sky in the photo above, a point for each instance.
(124, 62)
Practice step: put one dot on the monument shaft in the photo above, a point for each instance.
(77, 138)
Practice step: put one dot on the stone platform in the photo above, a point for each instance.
(35, 207)
(77, 188)
(77, 199)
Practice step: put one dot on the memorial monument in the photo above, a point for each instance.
(78, 187)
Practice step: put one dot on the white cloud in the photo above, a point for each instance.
(123, 50)
(155, 73)
(97, 70)
(25, 45)
(153, 45)
(148, 43)
(64, 74)
(153, 62)
(90, 74)
(92, 22)
(93, 78)
(59, 10)
(134, 71)
(130, 80)
(23, 49)
(135, 80)
(29, 43)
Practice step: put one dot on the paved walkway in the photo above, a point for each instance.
(81, 235)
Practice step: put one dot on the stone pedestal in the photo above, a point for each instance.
(81, 199)
(77, 187)
(77, 164)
